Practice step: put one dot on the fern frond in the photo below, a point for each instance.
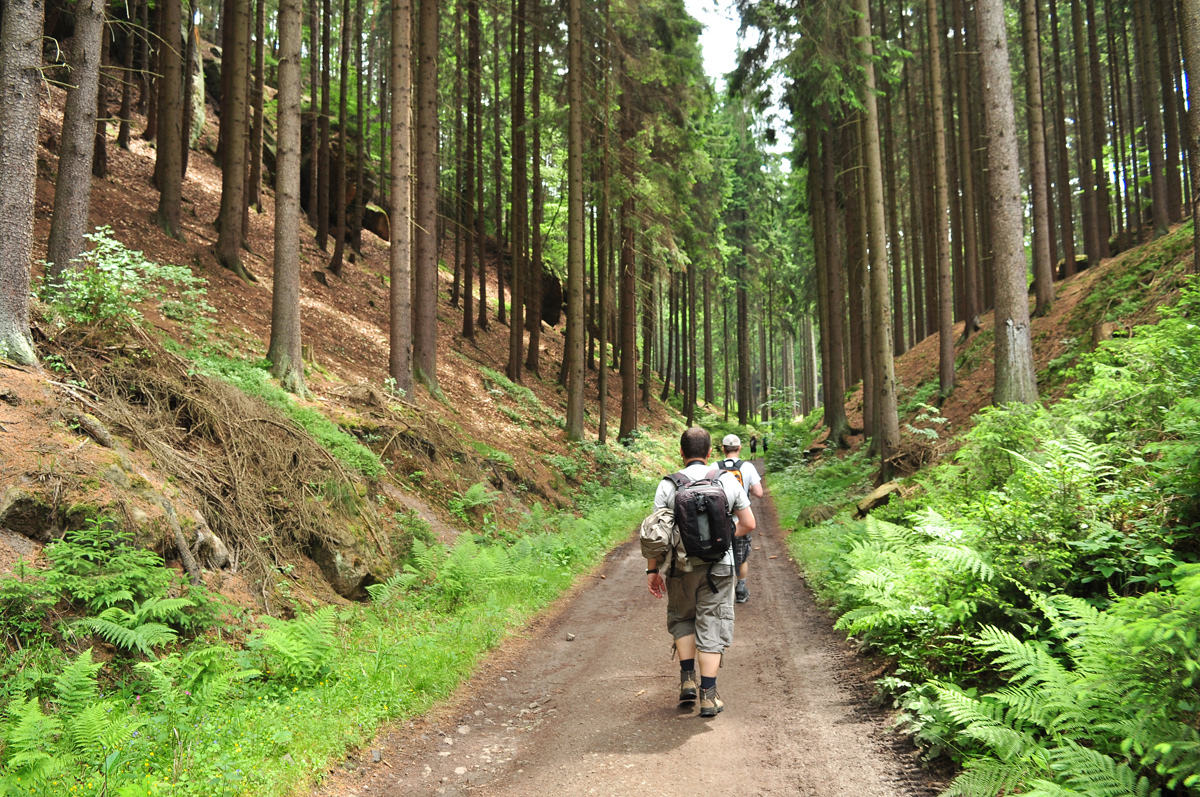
(988, 777)
(75, 687)
(962, 559)
(1094, 773)
(1029, 663)
(143, 638)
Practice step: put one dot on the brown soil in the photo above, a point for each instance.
(598, 714)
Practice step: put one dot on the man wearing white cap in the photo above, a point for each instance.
(747, 474)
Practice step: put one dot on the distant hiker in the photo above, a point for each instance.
(754, 445)
(699, 589)
(764, 445)
(747, 476)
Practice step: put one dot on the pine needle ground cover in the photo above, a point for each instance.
(1035, 599)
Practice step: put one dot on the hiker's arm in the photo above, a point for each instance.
(745, 521)
(654, 581)
(756, 489)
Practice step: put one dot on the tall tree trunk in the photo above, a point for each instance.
(340, 185)
(189, 65)
(20, 79)
(469, 210)
(941, 199)
(628, 322)
(533, 319)
(497, 186)
(360, 150)
(1144, 38)
(400, 333)
(154, 67)
(1015, 379)
(123, 130)
(1099, 132)
(143, 59)
(73, 187)
(1043, 275)
(100, 142)
(323, 153)
(169, 166)
(1084, 139)
(1189, 27)
(314, 125)
(575, 330)
(233, 174)
(709, 394)
(1066, 212)
(835, 393)
(689, 337)
(520, 187)
(459, 187)
(256, 125)
(888, 431)
(284, 352)
(425, 294)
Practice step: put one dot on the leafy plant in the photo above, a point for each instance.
(141, 629)
(99, 567)
(110, 281)
(295, 650)
(477, 495)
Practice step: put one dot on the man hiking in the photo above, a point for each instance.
(747, 476)
(699, 600)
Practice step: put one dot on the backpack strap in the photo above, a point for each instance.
(677, 479)
(713, 473)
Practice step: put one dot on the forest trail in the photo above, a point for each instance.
(597, 715)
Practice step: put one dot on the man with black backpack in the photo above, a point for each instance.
(698, 580)
(747, 476)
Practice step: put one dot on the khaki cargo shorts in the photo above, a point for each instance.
(693, 608)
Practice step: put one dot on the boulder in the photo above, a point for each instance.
(343, 565)
(813, 515)
(210, 549)
(27, 514)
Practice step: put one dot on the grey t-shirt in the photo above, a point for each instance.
(735, 496)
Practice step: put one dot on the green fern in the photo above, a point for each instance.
(296, 650)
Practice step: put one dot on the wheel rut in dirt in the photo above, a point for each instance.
(597, 714)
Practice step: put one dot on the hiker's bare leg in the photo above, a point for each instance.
(685, 647)
(710, 664)
(743, 569)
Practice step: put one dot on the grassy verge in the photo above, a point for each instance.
(255, 706)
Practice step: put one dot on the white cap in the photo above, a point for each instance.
(732, 441)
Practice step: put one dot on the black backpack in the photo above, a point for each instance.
(733, 466)
(702, 516)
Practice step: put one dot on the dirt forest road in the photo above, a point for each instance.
(598, 714)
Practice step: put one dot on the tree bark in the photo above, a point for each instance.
(1189, 28)
(575, 330)
(1066, 212)
(1043, 274)
(314, 125)
(169, 164)
(284, 352)
(256, 126)
(123, 129)
(425, 260)
(520, 185)
(100, 141)
(1014, 380)
(533, 319)
(233, 175)
(400, 332)
(469, 209)
(1144, 38)
(340, 186)
(73, 186)
(20, 79)
(835, 393)
(323, 154)
(941, 198)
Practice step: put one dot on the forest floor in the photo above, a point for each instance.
(584, 703)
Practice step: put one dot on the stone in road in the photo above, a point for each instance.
(597, 714)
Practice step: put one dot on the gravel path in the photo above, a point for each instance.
(597, 714)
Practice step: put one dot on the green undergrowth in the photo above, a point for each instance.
(224, 703)
(1036, 598)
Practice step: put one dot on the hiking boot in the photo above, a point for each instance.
(689, 685)
(741, 593)
(710, 702)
